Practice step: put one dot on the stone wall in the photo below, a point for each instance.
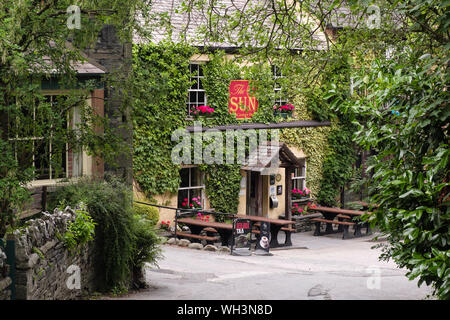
(45, 269)
(5, 280)
(303, 223)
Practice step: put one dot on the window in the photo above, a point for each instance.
(196, 95)
(191, 186)
(299, 177)
(280, 95)
(35, 142)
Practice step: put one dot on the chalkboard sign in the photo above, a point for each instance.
(242, 229)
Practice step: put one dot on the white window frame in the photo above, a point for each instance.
(191, 104)
(300, 178)
(190, 187)
(280, 99)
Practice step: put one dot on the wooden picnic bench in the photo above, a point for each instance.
(346, 218)
(225, 230)
(275, 226)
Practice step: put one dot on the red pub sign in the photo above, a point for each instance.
(240, 102)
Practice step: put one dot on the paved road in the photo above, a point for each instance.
(319, 268)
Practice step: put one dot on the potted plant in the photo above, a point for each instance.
(296, 210)
(284, 111)
(195, 203)
(165, 225)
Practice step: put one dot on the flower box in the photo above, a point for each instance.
(283, 111)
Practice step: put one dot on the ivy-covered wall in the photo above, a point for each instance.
(161, 78)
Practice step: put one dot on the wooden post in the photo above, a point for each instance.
(288, 196)
(176, 224)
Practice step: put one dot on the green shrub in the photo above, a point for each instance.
(148, 212)
(122, 242)
(80, 231)
(145, 240)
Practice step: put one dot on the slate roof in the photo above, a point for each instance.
(87, 67)
(184, 24)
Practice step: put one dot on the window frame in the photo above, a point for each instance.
(81, 157)
(300, 178)
(43, 138)
(277, 73)
(191, 104)
(201, 185)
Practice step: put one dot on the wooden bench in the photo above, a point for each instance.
(344, 224)
(197, 238)
(349, 215)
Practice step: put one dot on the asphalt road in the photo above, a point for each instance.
(316, 268)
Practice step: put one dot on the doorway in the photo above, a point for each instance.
(254, 193)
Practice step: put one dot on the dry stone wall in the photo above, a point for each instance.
(45, 269)
(5, 280)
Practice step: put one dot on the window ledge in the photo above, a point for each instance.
(50, 182)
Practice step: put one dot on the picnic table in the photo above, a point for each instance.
(225, 230)
(275, 226)
(346, 218)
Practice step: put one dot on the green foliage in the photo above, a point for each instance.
(222, 187)
(147, 212)
(160, 82)
(404, 119)
(145, 249)
(12, 191)
(120, 242)
(80, 231)
(337, 165)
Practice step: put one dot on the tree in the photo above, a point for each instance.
(401, 108)
(42, 39)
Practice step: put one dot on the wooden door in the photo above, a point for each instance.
(254, 193)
